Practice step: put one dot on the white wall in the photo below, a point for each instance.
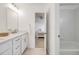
(28, 17)
(26, 23)
(67, 25)
(53, 29)
(27, 20)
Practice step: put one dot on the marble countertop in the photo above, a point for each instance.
(10, 36)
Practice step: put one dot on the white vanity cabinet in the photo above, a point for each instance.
(17, 46)
(20, 44)
(14, 44)
(24, 41)
(6, 48)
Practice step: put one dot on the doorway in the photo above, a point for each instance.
(40, 30)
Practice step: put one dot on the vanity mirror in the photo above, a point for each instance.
(12, 20)
(8, 19)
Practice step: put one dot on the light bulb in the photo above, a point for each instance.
(12, 7)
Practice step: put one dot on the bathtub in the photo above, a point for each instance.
(69, 48)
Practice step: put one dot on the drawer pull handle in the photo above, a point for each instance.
(17, 47)
(17, 39)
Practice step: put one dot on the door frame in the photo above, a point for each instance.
(45, 34)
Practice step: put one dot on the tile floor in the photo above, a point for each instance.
(39, 43)
(34, 51)
(39, 50)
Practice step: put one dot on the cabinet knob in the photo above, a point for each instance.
(59, 36)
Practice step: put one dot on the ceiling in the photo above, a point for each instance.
(70, 6)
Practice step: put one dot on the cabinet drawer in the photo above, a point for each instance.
(16, 40)
(16, 50)
(23, 42)
(5, 46)
(16, 45)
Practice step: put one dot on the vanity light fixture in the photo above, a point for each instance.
(13, 7)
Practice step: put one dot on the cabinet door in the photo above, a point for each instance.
(6, 48)
(27, 37)
(24, 42)
(7, 52)
(17, 46)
